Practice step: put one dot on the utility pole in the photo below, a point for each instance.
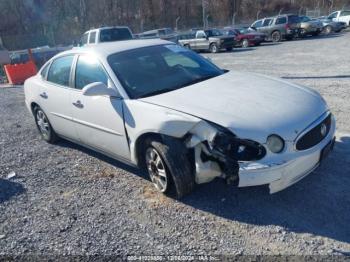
(177, 23)
(203, 13)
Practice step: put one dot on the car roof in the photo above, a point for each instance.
(107, 27)
(106, 49)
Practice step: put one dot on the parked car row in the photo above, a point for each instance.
(289, 26)
(275, 29)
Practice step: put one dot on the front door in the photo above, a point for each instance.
(99, 119)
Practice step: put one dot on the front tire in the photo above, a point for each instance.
(327, 30)
(245, 43)
(44, 126)
(214, 48)
(169, 167)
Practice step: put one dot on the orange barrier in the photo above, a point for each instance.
(18, 73)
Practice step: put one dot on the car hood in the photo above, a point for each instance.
(252, 106)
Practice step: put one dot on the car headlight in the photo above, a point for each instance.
(275, 144)
(228, 145)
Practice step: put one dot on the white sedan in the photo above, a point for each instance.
(166, 109)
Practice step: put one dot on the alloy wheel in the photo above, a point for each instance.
(156, 169)
(245, 43)
(43, 124)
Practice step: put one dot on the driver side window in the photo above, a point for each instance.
(89, 70)
(201, 35)
(333, 15)
(257, 24)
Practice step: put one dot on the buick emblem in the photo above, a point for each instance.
(323, 129)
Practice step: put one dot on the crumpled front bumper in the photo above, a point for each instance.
(284, 173)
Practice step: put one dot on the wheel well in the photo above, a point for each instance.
(32, 106)
(275, 31)
(141, 143)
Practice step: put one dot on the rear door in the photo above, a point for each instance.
(98, 119)
(54, 96)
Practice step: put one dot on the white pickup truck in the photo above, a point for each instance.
(340, 16)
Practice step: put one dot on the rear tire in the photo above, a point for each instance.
(214, 48)
(276, 36)
(44, 126)
(169, 167)
(302, 33)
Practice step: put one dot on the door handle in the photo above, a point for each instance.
(44, 95)
(78, 104)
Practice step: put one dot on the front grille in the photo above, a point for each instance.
(315, 135)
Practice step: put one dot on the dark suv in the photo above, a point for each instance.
(279, 27)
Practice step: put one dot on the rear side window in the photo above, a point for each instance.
(345, 13)
(84, 39)
(92, 38)
(281, 20)
(60, 71)
(89, 71)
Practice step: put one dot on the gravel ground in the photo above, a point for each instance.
(65, 199)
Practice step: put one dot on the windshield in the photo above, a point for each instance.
(305, 19)
(213, 32)
(115, 34)
(243, 31)
(154, 70)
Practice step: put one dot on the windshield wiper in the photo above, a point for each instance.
(198, 80)
(157, 92)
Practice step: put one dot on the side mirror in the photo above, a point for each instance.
(99, 89)
(253, 28)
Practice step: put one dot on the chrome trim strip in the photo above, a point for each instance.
(97, 127)
(311, 126)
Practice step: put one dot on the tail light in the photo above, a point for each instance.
(287, 26)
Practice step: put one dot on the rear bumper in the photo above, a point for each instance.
(285, 173)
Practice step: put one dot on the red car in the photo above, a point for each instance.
(244, 37)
